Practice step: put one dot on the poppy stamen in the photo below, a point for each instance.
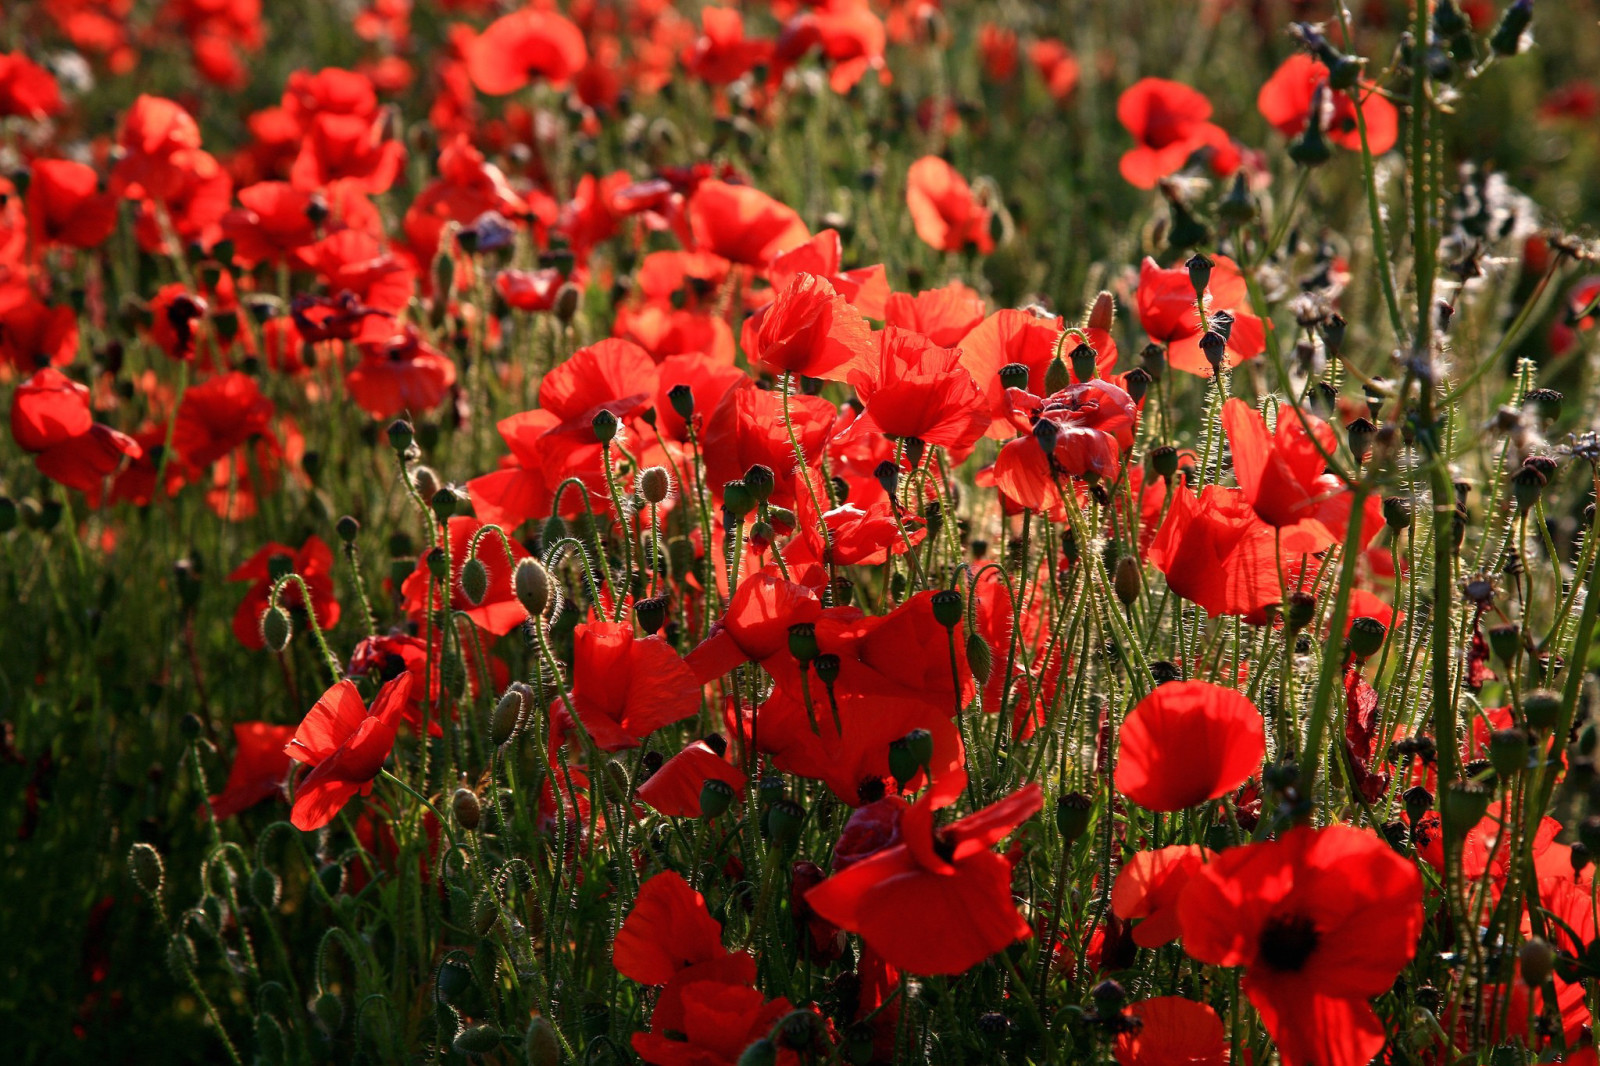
(1287, 941)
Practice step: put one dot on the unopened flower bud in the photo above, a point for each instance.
(401, 435)
(348, 528)
(477, 1039)
(508, 713)
(1056, 376)
(531, 584)
(474, 580)
(464, 805)
(1127, 580)
(1536, 961)
(276, 628)
(149, 872)
(761, 1053)
(541, 1046)
(568, 299)
(654, 484)
(681, 397)
(980, 660)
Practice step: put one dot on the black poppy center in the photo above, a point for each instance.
(944, 846)
(1287, 941)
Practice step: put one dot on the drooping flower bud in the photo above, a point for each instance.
(1056, 376)
(605, 426)
(474, 580)
(276, 629)
(530, 582)
(464, 805)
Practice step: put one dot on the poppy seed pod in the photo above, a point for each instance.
(760, 480)
(348, 529)
(1300, 610)
(651, 614)
(1418, 801)
(531, 585)
(887, 475)
(1506, 642)
(401, 435)
(1136, 383)
(1238, 208)
(827, 668)
(605, 426)
(903, 763)
(654, 484)
(1462, 805)
(1045, 434)
(1014, 376)
(1361, 432)
(438, 562)
(1072, 816)
(1311, 148)
(1199, 268)
(276, 628)
(1541, 708)
(1508, 752)
(716, 796)
(1164, 461)
(1366, 636)
(803, 642)
(1214, 346)
(1507, 37)
(947, 607)
(1397, 512)
(474, 580)
(1085, 363)
(1527, 485)
(1056, 376)
(569, 298)
(464, 805)
(1547, 402)
(784, 820)
(1536, 961)
(681, 397)
(737, 500)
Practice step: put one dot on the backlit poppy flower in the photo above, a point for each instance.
(1188, 742)
(260, 767)
(943, 315)
(667, 930)
(27, 90)
(722, 53)
(401, 374)
(160, 142)
(522, 46)
(709, 380)
(743, 224)
(1005, 337)
(624, 687)
(1056, 65)
(1081, 431)
(1148, 887)
(1168, 121)
(346, 744)
(747, 428)
(946, 213)
(998, 46)
(499, 612)
(33, 334)
(920, 390)
(1322, 920)
(850, 35)
(809, 330)
(1282, 475)
(274, 221)
(219, 415)
(938, 902)
(468, 187)
(519, 490)
(66, 206)
(50, 417)
(313, 562)
(674, 789)
(1168, 314)
(348, 148)
(865, 287)
(755, 625)
(529, 290)
(1172, 1031)
(1285, 101)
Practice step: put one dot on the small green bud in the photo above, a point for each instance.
(474, 580)
(465, 806)
(477, 1040)
(276, 628)
(149, 872)
(531, 584)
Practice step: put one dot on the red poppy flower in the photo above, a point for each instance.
(1056, 65)
(938, 902)
(50, 418)
(747, 428)
(499, 612)
(709, 380)
(624, 687)
(33, 334)
(1173, 1031)
(519, 490)
(530, 290)
(349, 148)
(1321, 920)
(742, 224)
(260, 767)
(160, 142)
(1149, 885)
(1081, 431)
(709, 1015)
(944, 210)
(274, 221)
(667, 930)
(468, 187)
(219, 415)
(1168, 121)
(401, 374)
(810, 330)
(1168, 313)
(27, 90)
(313, 562)
(674, 789)
(1285, 101)
(919, 389)
(865, 287)
(943, 315)
(662, 330)
(722, 53)
(1283, 475)
(66, 206)
(524, 45)
(755, 625)
(346, 744)
(1188, 742)
(851, 36)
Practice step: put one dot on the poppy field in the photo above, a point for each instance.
(819, 532)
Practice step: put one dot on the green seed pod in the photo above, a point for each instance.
(762, 1053)
(401, 435)
(604, 425)
(784, 821)
(1085, 362)
(947, 608)
(348, 528)
(1508, 752)
(149, 872)
(475, 580)
(540, 1045)
(1014, 376)
(1366, 636)
(438, 564)
(1072, 816)
(1541, 708)
(454, 977)
(1506, 642)
(1462, 805)
(716, 796)
(276, 629)
(803, 642)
